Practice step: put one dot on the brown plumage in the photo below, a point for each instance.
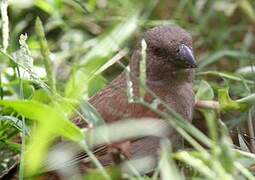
(169, 70)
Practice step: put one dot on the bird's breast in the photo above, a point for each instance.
(179, 97)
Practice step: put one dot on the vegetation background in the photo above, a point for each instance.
(55, 54)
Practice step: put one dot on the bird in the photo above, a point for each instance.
(170, 64)
(169, 68)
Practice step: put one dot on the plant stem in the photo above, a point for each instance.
(1, 87)
(207, 104)
(23, 134)
(46, 54)
(250, 99)
(23, 148)
(96, 162)
(5, 24)
(251, 131)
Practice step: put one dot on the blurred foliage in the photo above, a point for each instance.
(49, 66)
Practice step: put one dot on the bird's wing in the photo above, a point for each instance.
(112, 102)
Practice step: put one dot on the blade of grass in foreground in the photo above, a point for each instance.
(230, 76)
(168, 169)
(5, 24)
(196, 163)
(51, 124)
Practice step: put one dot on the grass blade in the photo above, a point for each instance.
(46, 54)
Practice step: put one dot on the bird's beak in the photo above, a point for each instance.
(186, 54)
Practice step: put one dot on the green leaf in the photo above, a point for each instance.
(45, 114)
(230, 76)
(204, 92)
(77, 85)
(211, 121)
(91, 114)
(41, 96)
(168, 169)
(227, 155)
(17, 123)
(248, 100)
(28, 89)
(58, 3)
(196, 163)
(51, 124)
(227, 104)
(247, 8)
(45, 6)
(249, 175)
(96, 174)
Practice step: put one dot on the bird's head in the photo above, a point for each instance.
(171, 44)
(169, 50)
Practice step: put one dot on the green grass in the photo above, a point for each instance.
(56, 54)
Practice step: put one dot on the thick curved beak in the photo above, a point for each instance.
(186, 54)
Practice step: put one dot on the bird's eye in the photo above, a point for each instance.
(178, 50)
(160, 51)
